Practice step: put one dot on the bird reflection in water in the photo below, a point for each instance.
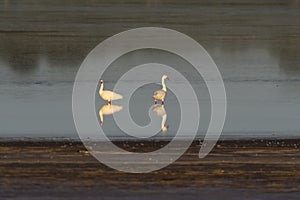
(108, 109)
(160, 110)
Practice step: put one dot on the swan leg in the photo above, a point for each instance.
(109, 102)
(163, 102)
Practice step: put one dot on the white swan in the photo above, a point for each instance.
(108, 95)
(160, 95)
(108, 110)
(160, 111)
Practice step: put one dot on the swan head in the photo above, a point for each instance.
(165, 77)
(101, 82)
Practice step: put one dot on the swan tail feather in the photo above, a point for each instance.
(116, 96)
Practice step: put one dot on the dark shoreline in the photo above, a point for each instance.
(292, 143)
(65, 170)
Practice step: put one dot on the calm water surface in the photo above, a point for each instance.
(255, 45)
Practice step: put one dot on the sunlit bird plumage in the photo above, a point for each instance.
(108, 95)
(160, 95)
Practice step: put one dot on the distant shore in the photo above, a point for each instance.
(234, 169)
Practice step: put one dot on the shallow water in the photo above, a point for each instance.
(255, 45)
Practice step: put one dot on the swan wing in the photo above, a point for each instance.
(159, 95)
(116, 96)
(110, 95)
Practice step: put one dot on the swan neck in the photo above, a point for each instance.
(101, 88)
(164, 88)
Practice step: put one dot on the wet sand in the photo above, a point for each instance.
(245, 169)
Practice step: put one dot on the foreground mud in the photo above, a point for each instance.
(65, 170)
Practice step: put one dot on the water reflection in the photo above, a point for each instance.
(24, 38)
(108, 109)
(160, 110)
(5, 4)
(153, 3)
(288, 56)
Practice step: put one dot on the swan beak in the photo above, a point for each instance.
(167, 78)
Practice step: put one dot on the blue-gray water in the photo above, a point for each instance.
(255, 45)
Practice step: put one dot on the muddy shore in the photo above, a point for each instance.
(254, 169)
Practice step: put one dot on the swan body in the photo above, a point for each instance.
(108, 95)
(160, 111)
(108, 110)
(160, 95)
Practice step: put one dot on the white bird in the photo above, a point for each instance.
(160, 111)
(108, 95)
(160, 95)
(108, 110)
